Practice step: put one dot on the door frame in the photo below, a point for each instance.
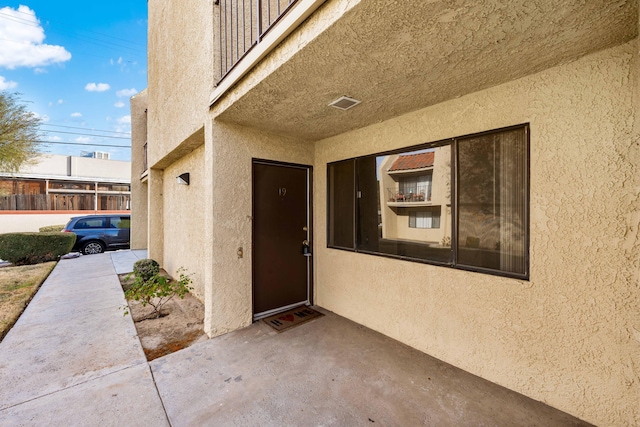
(309, 169)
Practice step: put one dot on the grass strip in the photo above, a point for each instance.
(18, 284)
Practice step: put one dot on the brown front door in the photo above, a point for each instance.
(281, 227)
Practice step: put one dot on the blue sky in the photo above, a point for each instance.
(76, 64)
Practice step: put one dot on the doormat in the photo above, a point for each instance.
(292, 318)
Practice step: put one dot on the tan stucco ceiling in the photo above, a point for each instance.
(400, 56)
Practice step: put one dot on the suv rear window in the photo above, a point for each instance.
(91, 223)
(122, 222)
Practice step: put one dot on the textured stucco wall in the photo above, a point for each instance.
(139, 189)
(180, 74)
(402, 56)
(571, 335)
(184, 219)
(233, 148)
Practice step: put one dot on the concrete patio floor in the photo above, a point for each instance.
(72, 359)
(331, 372)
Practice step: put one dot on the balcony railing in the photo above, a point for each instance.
(145, 164)
(419, 194)
(243, 24)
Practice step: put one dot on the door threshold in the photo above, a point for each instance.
(268, 313)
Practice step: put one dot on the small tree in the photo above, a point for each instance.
(156, 291)
(19, 133)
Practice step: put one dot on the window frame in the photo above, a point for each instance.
(453, 143)
(414, 215)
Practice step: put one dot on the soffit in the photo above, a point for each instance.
(401, 56)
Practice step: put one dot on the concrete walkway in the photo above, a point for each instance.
(73, 359)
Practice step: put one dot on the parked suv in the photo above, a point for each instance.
(97, 233)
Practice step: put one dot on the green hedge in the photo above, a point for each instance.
(34, 248)
(50, 228)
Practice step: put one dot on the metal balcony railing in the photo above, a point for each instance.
(145, 165)
(422, 193)
(243, 24)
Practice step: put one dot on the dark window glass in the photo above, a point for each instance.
(368, 196)
(400, 204)
(492, 201)
(98, 222)
(341, 206)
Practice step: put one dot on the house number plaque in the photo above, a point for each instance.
(282, 191)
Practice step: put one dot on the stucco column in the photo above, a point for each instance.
(209, 328)
(155, 231)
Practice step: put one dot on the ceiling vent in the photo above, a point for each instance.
(344, 103)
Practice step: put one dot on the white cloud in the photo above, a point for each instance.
(40, 71)
(54, 138)
(7, 84)
(60, 101)
(22, 41)
(124, 120)
(99, 87)
(126, 92)
(44, 118)
(76, 114)
(118, 61)
(83, 139)
(119, 104)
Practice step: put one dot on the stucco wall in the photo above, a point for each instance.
(180, 74)
(233, 148)
(139, 189)
(184, 219)
(78, 167)
(571, 335)
(116, 169)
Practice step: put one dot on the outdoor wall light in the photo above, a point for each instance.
(183, 179)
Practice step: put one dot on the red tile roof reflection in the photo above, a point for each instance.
(413, 161)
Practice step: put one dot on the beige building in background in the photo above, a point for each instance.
(415, 202)
(566, 332)
(56, 188)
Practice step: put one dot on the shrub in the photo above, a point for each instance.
(145, 269)
(157, 291)
(51, 228)
(34, 248)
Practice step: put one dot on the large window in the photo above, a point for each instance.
(462, 202)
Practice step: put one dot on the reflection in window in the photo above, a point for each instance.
(491, 201)
(401, 204)
(425, 218)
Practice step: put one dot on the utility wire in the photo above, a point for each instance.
(68, 34)
(92, 130)
(103, 43)
(66, 24)
(83, 144)
(85, 134)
